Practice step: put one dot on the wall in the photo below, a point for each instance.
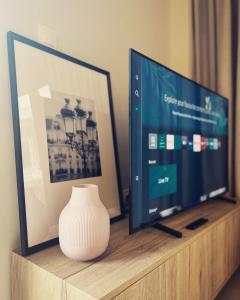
(180, 42)
(101, 33)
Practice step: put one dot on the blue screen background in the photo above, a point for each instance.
(157, 81)
(164, 104)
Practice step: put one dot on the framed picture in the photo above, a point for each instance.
(64, 136)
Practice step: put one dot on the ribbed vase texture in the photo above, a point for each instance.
(84, 224)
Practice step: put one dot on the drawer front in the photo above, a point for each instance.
(213, 258)
(170, 281)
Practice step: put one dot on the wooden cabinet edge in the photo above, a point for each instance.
(170, 253)
(32, 282)
(156, 284)
(180, 248)
(29, 281)
(72, 293)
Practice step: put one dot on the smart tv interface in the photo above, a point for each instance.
(178, 142)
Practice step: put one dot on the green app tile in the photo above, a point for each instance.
(162, 141)
(211, 143)
(162, 180)
(177, 142)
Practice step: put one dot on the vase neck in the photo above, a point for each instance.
(84, 193)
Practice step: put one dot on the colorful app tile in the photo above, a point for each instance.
(215, 144)
(177, 142)
(184, 142)
(170, 141)
(162, 139)
(152, 141)
(190, 143)
(196, 143)
(203, 143)
(210, 143)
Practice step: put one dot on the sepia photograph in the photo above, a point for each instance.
(72, 138)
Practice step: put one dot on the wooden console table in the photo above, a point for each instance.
(148, 265)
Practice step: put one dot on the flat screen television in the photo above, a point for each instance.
(178, 142)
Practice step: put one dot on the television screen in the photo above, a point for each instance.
(178, 142)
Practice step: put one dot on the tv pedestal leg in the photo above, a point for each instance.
(171, 231)
(227, 199)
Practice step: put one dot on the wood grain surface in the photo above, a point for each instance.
(147, 265)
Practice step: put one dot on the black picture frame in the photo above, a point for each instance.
(11, 39)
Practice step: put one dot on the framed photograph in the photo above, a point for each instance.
(64, 136)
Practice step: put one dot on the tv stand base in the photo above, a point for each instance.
(227, 199)
(171, 231)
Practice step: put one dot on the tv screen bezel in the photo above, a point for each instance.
(159, 218)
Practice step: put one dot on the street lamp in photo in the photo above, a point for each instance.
(68, 116)
(91, 129)
(81, 130)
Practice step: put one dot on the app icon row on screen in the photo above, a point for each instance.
(196, 142)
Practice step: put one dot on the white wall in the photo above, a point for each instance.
(99, 32)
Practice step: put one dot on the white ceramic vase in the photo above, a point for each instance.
(84, 224)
